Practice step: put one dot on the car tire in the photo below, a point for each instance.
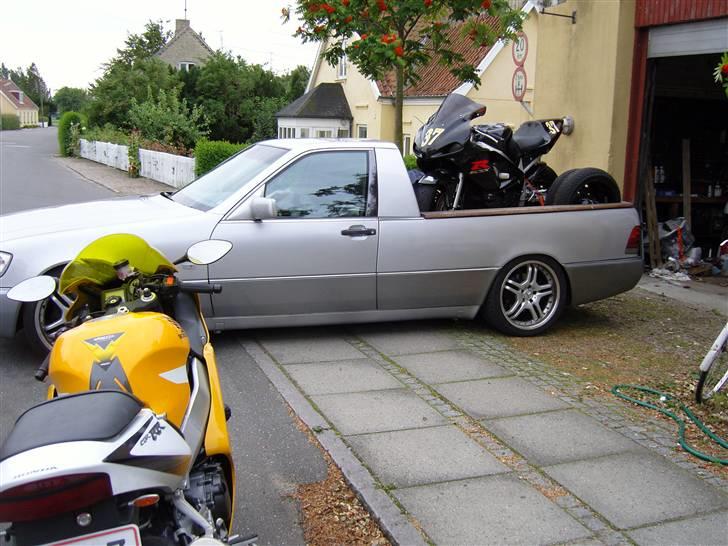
(43, 320)
(584, 187)
(527, 297)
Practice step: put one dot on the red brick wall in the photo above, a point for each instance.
(665, 12)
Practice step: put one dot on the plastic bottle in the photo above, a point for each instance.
(710, 190)
(717, 191)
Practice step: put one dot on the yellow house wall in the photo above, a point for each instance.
(6, 107)
(584, 71)
(358, 91)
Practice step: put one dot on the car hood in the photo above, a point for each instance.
(82, 216)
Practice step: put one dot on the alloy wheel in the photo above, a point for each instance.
(49, 317)
(529, 295)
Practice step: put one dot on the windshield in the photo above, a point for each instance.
(95, 263)
(449, 125)
(214, 187)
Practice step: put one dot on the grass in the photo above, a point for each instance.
(636, 338)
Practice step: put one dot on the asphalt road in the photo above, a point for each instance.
(271, 455)
(31, 176)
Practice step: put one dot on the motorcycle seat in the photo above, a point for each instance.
(531, 136)
(86, 416)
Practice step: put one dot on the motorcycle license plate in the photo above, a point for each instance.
(120, 536)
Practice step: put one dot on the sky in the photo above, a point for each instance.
(69, 41)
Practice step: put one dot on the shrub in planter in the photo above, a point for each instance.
(410, 162)
(210, 153)
(68, 139)
(9, 122)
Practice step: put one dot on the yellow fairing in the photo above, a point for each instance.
(141, 353)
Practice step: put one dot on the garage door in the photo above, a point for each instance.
(689, 38)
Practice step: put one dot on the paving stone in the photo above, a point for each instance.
(635, 489)
(307, 345)
(490, 510)
(559, 436)
(445, 366)
(500, 397)
(407, 338)
(711, 529)
(377, 411)
(342, 376)
(414, 457)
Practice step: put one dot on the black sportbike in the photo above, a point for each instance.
(490, 166)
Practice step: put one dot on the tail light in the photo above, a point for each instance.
(52, 496)
(633, 241)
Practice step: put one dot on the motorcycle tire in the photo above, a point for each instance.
(527, 297)
(587, 186)
(424, 193)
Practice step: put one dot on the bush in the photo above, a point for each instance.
(168, 120)
(210, 153)
(107, 133)
(410, 162)
(9, 122)
(67, 139)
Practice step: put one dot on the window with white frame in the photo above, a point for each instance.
(185, 66)
(361, 131)
(343, 133)
(407, 142)
(303, 132)
(341, 66)
(324, 133)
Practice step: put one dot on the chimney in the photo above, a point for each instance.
(180, 25)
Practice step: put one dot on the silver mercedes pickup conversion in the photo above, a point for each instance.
(329, 231)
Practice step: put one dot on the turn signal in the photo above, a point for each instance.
(145, 500)
(633, 241)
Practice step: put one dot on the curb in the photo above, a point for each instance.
(393, 522)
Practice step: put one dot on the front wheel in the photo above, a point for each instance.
(45, 320)
(714, 369)
(527, 297)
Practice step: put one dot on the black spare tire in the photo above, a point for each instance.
(587, 186)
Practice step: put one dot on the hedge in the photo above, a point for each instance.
(65, 146)
(210, 153)
(410, 161)
(9, 122)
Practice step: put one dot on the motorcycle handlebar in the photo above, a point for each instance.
(200, 289)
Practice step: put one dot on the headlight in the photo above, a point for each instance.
(5, 260)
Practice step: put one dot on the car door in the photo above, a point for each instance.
(318, 255)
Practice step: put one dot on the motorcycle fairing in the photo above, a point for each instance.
(170, 451)
(448, 129)
(536, 138)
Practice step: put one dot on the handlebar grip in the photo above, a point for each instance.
(201, 289)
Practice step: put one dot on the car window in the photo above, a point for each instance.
(323, 185)
(213, 188)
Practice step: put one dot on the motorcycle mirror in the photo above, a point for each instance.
(478, 113)
(208, 252)
(33, 289)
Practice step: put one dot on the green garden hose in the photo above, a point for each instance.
(667, 399)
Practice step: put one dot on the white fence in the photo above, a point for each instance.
(173, 170)
(113, 155)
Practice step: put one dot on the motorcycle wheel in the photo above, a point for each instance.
(527, 296)
(423, 194)
(583, 187)
(43, 320)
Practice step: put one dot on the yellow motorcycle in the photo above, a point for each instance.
(132, 445)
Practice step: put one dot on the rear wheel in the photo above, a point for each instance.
(527, 297)
(583, 187)
(45, 320)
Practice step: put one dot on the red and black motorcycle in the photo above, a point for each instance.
(490, 166)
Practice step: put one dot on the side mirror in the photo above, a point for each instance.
(208, 252)
(33, 289)
(262, 208)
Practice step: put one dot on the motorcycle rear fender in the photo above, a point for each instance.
(148, 454)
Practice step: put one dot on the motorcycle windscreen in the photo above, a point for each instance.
(449, 125)
(95, 263)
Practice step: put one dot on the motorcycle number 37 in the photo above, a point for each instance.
(431, 135)
(120, 536)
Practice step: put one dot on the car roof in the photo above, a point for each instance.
(303, 144)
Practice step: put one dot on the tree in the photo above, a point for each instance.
(296, 82)
(382, 36)
(70, 99)
(143, 46)
(31, 83)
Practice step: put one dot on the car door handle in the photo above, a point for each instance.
(358, 231)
